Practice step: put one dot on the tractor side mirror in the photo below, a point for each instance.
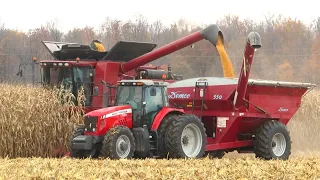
(153, 91)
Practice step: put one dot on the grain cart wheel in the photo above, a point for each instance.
(73, 152)
(186, 137)
(118, 143)
(162, 131)
(272, 141)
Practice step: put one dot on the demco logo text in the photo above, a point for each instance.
(178, 95)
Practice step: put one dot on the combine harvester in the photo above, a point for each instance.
(77, 66)
(193, 117)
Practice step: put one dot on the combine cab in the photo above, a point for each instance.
(194, 117)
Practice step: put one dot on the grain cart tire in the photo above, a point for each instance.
(186, 137)
(162, 131)
(73, 152)
(118, 143)
(272, 141)
(215, 154)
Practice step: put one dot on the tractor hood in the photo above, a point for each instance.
(110, 111)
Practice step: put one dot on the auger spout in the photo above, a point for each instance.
(253, 42)
(210, 33)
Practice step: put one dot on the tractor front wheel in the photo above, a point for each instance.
(186, 137)
(73, 152)
(118, 143)
(272, 141)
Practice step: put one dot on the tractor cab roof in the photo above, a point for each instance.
(142, 82)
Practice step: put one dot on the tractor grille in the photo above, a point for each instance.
(90, 123)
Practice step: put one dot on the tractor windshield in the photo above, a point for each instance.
(131, 95)
(72, 78)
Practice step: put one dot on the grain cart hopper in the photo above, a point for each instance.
(247, 115)
(98, 122)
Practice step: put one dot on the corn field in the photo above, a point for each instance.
(34, 121)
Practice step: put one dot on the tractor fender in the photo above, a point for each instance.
(163, 113)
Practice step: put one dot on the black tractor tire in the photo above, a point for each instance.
(215, 154)
(162, 134)
(264, 142)
(109, 144)
(73, 152)
(175, 133)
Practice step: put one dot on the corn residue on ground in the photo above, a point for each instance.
(226, 168)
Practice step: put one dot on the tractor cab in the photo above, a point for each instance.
(146, 97)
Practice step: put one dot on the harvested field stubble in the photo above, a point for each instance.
(34, 122)
(238, 168)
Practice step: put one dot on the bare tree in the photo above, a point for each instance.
(55, 33)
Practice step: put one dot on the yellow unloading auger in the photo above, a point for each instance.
(225, 61)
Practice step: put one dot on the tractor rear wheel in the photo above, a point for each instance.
(73, 152)
(118, 143)
(162, 134)
(272, 141)
(186, 137)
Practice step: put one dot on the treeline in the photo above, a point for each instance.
(290, 48)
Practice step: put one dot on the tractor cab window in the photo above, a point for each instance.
(131, 95)
(153, 104)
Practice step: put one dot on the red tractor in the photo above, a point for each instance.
(135, 126)
(194, 117)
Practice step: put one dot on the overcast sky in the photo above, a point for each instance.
(27, 14)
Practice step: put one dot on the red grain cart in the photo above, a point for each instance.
(242, 114)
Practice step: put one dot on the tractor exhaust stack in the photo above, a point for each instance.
(253, 43)
(210, 33)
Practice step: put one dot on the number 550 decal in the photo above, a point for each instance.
(217, 96)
